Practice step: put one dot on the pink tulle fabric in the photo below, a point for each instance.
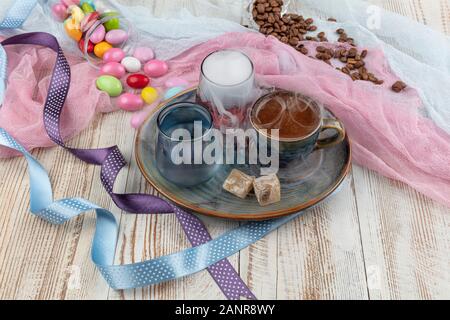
(29, 73)
(388, 132)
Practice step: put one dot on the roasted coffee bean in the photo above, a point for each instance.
(399, 86)
(359, 64)
(340, 31)
(352, 53)
(309, 21)
(304, 51)
(293, 41)
(364, 54)
(332, 20)
(321, 49)
(261, 8)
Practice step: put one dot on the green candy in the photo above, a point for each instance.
(109, 84)
(113, 23)
(87, 8)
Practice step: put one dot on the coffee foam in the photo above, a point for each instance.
(227, 67)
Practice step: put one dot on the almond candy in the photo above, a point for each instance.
(239, 184)
(267, 190)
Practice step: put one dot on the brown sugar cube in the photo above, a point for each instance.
(239, 184)
(267, 190)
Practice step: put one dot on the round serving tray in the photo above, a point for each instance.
(303, 183)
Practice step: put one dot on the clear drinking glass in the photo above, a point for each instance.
(227, 87)
(196, 122)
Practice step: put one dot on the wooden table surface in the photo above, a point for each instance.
(376, 239)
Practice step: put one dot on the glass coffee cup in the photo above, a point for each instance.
(296, 122)
(227, 88)
(184, 130)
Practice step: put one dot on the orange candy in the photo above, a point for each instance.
(73, 29)
(100, 48)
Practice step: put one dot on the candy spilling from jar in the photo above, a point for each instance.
(127, 77)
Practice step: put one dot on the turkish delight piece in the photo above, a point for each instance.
(239, 184)
(267, 190)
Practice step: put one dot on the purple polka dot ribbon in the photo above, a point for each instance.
(111, 162)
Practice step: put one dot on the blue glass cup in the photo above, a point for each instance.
(184, 130)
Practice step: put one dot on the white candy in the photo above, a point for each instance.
(131, 64)
(227, 67)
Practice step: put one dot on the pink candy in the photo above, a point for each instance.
(116, 36)
(68, 3)
(59, 11)
(114, 69)
(114, 55)
(98, 35)
(176, 82)
(130, 102)
(144, 54)
(156, 68)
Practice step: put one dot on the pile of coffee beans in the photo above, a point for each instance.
(288, 28)
(292, 29)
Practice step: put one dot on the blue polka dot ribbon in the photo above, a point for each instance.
(17, 14)
(189, 261)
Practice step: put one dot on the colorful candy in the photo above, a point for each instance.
(73, 29)
(101, 48)
(113, 23)
(98, 35)
(113, 69)
(143, 54)
(59, 11)
(172, 92)
(114, 55)
(149, 94)
(116, 37)
(90, 2)
(138, 81)
(110, 85)
(131, 64)
(68, 3)
(130, 102)
(90, 47)
(76, 13)
(156, 68)
(87, 8)
(176, 82)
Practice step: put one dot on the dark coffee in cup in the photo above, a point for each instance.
(293, 116)
(298, 121)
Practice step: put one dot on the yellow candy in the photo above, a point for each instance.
(76, 13)
(101, 48)
(149, 94)
(73, 29)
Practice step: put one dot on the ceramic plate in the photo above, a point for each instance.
(303, 183)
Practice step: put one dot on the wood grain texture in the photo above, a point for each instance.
(376, 239)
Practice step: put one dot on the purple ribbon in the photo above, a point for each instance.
(112, 161)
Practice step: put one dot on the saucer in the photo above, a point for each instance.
(304, 183)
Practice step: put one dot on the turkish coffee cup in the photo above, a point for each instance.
(298, 122)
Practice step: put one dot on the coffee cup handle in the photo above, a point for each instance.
(338, 137)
